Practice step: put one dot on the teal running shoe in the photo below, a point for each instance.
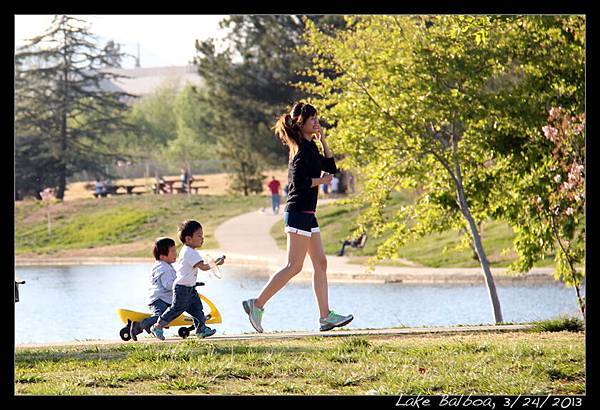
(157, 332)
(334, 320)
(206, 332)
(254, 313)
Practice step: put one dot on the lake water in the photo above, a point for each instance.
(67, 303)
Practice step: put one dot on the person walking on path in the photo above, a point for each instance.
(274, 187)
(298, 130)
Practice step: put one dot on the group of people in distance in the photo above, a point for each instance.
(172, 289)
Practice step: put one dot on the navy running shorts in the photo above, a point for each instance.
(301, 223)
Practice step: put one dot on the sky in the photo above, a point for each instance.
(164, 40)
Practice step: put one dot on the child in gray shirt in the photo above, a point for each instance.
(160, 293)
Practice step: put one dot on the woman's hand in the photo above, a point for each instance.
(320, 133)
(321, 138)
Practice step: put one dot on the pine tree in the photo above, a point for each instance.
(65, 113)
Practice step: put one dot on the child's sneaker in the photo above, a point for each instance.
(157, 332)
(254, 313)
(334, 320)
(135, 329)
(206, 332)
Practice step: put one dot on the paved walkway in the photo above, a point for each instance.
(246, 240)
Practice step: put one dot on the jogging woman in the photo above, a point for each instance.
(298, 130)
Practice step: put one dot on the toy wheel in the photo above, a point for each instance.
(124, 333)
(183, 332)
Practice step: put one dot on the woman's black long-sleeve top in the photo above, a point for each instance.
(306, 165)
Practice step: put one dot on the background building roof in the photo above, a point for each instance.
(142, 81)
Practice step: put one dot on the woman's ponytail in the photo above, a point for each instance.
(288, 132)
(289, 126)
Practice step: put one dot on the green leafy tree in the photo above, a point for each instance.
(155, 115)
(535, 126)
(454, 105)
(194, 139)
(63, 116)
(562, 210)
(407, 101)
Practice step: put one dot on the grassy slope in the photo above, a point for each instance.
(436, 250)
(134, 220)
(502, 363)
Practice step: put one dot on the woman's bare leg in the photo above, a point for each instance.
(319, 261)
(297, 245)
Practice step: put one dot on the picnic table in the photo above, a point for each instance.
(130, 187)
(172, 188)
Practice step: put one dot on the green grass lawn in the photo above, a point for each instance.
(509, 363)
(91, 223)
(436, 250)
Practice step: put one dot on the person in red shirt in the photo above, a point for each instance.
(274, 186)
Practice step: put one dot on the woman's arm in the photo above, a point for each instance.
(326, 149)
(327, 161)
(318, 181)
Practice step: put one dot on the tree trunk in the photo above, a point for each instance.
(62, 178)
(62, 181)
(576, 283)
(483, 261)
(485, 265)
(244, 179)
(580, 300)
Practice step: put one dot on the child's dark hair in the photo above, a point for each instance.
(161, 247)
(187, 228)
(288, 126)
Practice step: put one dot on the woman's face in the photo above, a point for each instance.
(311, 125)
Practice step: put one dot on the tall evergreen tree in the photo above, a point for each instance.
(65, 117)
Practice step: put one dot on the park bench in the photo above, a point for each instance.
(114, 190)
(354, 243)
(109, 190)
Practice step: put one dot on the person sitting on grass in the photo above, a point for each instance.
(185, 297)
(161, 285)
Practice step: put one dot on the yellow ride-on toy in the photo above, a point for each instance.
(186, 322)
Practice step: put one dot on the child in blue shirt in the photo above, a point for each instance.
(185, 297)
(160, 292)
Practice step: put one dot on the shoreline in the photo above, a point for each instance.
(266, 266)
